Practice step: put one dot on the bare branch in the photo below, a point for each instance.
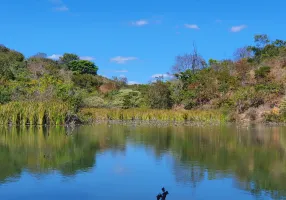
(192, 61)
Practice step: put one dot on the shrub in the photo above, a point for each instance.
(67, 93)
(159, 95)
(270, 88)
(283, 107)
(5, 95)
(262, 72)
(126, 98)
(245, 98)
(93, 102)
(87, 81)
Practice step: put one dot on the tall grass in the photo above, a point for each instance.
(55, 113)
(95, 114)
(33, 113)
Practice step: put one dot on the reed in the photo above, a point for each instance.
(33, 113)
(95, 114)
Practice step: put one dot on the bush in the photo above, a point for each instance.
(283, 107)
(274, 116)
(5, 95)
(273, 88)
(68, 93)
(245, 98)
(93, 102)
(159, 95)
(87, 81)
(126, 98)
(262, 72)
(224, 102)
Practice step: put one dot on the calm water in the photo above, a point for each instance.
(128, 162)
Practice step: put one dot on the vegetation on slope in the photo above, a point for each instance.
(250, 87)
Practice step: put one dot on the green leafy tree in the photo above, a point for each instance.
(261, 40)
(132, 99)
(68, 57)
(10, 63)
(265, 48)
(83, 67)
(159, 95)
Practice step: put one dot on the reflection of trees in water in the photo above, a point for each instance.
(189, 174)
(40, 150)
(256, 156)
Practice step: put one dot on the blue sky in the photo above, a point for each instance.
(137, 39)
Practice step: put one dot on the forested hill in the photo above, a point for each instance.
(250, 87)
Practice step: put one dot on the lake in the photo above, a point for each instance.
(131, 162)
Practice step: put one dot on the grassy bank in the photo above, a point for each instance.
(91, 115)
(58, 113)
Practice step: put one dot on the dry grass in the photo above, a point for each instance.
(95, 114)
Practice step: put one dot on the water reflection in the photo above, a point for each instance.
(253, 157)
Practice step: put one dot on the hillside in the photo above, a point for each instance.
(250, 87)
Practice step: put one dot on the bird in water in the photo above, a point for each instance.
(162, 196)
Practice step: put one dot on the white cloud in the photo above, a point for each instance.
(132, 83)
(59, 5)
(122, 60)
(62, 8)
(162, 75)
(55, 56)
(56, 1)
(235, 29)
(140, 22)
(192, 26)
(121, 71)
(89, 58)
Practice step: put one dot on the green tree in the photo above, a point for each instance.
(68, 57)
(265, 48)
(10, 63)
(261, 40)
(83, 67)
(159, 95)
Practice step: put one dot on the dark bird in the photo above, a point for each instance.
(164, 195)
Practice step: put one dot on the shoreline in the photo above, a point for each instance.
(151, 123)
